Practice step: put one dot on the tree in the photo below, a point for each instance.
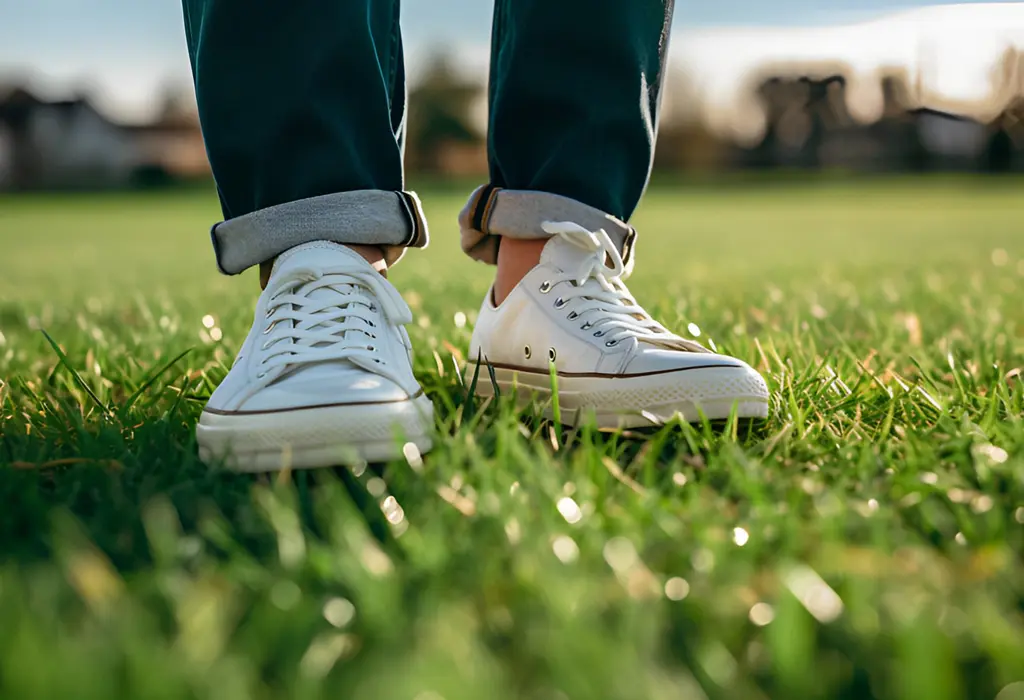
(176, 105)
(440, 114)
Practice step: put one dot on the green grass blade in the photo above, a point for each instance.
(150, 380)
(74, 373)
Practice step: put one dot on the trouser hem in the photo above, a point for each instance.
(493, 212)
(392, 220)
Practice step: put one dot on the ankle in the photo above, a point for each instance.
(370, 253)
(516, 257)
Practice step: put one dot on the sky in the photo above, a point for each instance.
(124, 50)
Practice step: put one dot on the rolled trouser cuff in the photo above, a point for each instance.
(392, 220)
(493, 212)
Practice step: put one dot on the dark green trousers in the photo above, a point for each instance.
(302, 105)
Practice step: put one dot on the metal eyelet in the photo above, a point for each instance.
(552, 354)
(545, 287)
(559, 303)
(572, 316)
(528, 352)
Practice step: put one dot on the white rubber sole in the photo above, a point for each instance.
(311, 438)
(638, 401)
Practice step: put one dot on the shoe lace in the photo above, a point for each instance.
(597, 294)
(305, 327)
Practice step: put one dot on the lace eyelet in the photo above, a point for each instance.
(552, 354)
(611, 343)
(261, 375)
(559, 303)
(528, 352)
(572, 316)
(371, 348)
(586, 326)
(598, 334)
(545, 287)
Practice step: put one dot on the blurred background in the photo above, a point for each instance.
(98, 94)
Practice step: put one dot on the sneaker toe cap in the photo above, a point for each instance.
(703, 376)
(346, 387)
(656, 360)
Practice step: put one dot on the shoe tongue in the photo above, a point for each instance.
(321, 254)
(563, 255)
(318, 254)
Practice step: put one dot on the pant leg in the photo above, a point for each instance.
(574, 98)
(302, 107)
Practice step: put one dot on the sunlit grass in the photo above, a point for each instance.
(864, 542)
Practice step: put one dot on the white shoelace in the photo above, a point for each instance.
(305, 327)
(598, 298)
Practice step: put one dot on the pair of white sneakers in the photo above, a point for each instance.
(325, 375)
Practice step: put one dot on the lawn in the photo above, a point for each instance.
(865, 542)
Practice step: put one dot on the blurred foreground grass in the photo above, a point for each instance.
(866, 542)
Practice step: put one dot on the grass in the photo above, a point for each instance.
(866, 542)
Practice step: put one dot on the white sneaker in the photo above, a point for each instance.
(613, 361)
(325, 375)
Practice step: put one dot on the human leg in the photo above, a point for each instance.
(574, 98)
(575, 90)
(302, 106)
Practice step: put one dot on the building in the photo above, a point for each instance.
(69, 144)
